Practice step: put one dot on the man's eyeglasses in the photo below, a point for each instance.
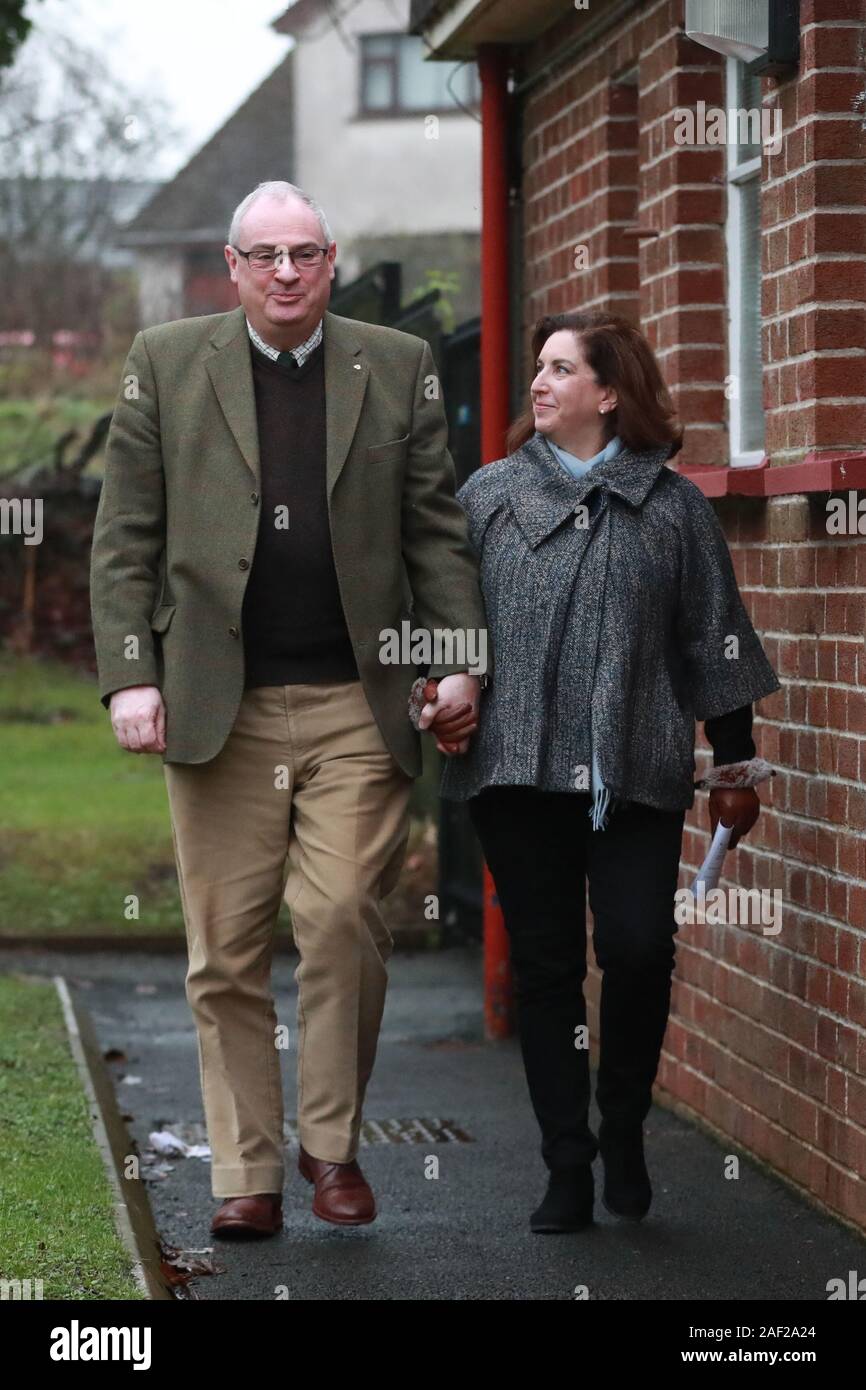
(275, 257)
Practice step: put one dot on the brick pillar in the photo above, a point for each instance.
(814, 256)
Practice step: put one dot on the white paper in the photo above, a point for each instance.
(711, 870)
(164, 1142)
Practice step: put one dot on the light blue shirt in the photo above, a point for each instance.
(577, 468)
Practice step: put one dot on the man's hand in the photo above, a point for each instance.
(451, 712)
(138, 718)
(736, 806)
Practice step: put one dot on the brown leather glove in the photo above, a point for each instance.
(739, 807)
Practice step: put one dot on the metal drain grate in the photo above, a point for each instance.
(416, 1131)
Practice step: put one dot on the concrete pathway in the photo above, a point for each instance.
(465, 1234)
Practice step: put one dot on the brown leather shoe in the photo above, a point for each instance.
(342, 1193)
(258, 1215)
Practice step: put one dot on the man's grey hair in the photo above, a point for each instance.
(280, 189)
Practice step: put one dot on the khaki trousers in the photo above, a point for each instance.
(305, 801)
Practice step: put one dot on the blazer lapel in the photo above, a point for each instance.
(230, 370)
(346, 374)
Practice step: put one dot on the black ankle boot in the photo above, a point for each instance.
(627, 1190)
(567, 1204)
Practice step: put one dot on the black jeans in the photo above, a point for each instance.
(541, 849)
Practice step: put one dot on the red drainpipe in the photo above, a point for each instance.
(495, 419)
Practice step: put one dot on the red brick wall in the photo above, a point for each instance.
(814, 210)
(767, 1037)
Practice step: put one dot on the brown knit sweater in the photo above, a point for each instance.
(293, 622)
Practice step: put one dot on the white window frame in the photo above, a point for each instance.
(738, 173)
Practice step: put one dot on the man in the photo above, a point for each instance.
(277, 491)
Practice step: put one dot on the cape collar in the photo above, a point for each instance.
(543, 494)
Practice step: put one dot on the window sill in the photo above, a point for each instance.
(407, 113)
(817, 472)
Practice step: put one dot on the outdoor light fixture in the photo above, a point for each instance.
(764, 34)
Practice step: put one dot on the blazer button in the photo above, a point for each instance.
(233, 632)
(254, 497)
(243, 564)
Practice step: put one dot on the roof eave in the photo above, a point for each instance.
(455, 29)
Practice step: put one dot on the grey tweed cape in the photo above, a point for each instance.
(615, 621)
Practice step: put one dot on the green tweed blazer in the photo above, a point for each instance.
(178, 516)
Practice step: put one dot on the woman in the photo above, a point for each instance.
(615, 622)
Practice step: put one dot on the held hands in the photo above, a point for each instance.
(451, 711)
(138, 719)
(738, 807)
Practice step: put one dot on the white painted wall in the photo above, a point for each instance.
(380, 174)
(160, 285)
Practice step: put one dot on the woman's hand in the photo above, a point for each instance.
(451, 711)
(738, 807)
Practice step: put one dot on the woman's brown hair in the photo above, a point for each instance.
(620, 356)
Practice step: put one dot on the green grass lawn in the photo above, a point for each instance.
(85, 825)
(56, 1205)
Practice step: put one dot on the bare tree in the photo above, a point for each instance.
(14, 28)
(71, 135)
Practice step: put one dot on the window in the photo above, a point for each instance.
(743, 237)
(396, 78)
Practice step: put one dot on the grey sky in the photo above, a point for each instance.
(202, 56)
